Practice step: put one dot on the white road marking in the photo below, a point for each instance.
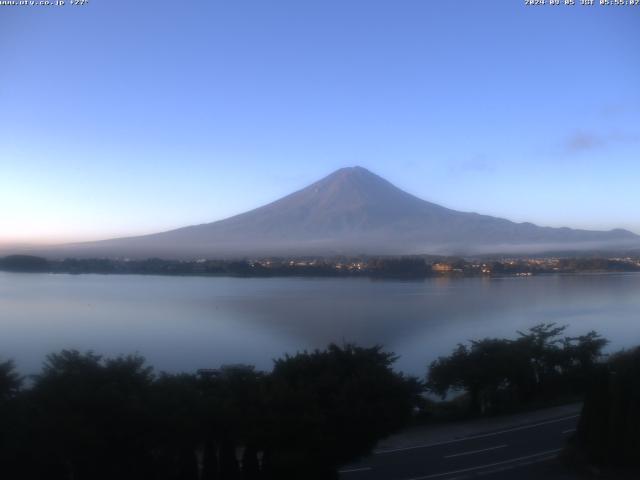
(473, 437)
(489, 465)
(352, 470)
(474, 451)
(571, 430)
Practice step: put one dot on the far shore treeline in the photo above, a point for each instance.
(84, 416)
(422, 266)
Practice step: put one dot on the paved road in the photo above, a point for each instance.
(492, 455)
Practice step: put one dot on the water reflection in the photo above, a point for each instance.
(183, 323)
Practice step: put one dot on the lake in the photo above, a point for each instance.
(185, 323)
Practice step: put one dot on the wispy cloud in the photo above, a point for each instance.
(584, 141)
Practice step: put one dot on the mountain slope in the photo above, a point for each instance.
(353, 211)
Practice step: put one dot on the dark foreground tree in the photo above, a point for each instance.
(609, 429)
(10, 381)
(91, 418)
(497, 374)
(328, 407)
(87, 418)
(481, 370)
(10, 425)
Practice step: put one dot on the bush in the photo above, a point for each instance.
(89, 417)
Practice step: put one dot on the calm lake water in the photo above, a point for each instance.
(185, 323)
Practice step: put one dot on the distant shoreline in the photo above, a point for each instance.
(403, 268)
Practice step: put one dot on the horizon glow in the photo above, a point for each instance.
(124, 118)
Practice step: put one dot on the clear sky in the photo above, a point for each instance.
(125, 117)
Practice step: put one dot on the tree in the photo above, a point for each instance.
(484, 370)
(179, 425)
(499, 373)
(328, 407)
(24, 263)
(541, 344)
(90, 416)
(609, 427)
(94, 418)
(10, 381)
(234, 412)
(10, 385)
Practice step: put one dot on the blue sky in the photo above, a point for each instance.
(125, 117)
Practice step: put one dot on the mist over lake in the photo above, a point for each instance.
(185, 323)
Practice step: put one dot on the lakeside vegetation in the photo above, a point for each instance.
(498, 375)
(365, 266)
(608, 434)
(89, 417)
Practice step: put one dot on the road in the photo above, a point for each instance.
(492, 455)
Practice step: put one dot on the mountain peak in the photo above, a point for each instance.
(351, 172)
(351, 188)
(359, 178)
(356, 169)
(353, 210)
